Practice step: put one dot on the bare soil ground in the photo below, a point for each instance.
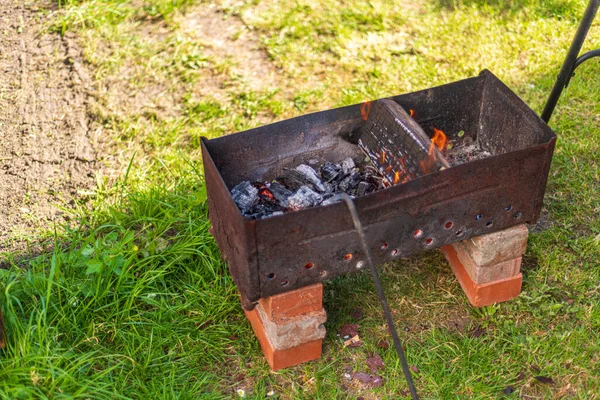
(46, 155)
(228, 39)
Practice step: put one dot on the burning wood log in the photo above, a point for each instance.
(397, 145)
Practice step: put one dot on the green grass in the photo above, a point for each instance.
(132, 300)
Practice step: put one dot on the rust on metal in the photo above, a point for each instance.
(268, 256)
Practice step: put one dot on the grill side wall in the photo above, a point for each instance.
(234, 235)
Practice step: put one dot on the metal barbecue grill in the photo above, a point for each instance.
(283, 252)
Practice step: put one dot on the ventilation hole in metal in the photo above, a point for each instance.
(518, 215)
(489, 224)
(508, 208)
(360, 264)
(449, 225)
(323, 273)
(348, 257)
(384, 246)
(418, 233)
(459, 233)
(271, 276)
(285, 282)
(428, 241)
(309, 265)
(479, 217)
(394, 252)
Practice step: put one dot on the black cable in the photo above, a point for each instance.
(382, 299)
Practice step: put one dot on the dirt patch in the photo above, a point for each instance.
(228, 39)
(46, 156)
(137, 88)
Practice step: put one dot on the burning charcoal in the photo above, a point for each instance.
(330, 189)
(293, 180)
(262, 209)
(362, 189)
(264, 192)
(245, 196)
(304, 198)
(330, 171)
(348, 165)
(280, 193)
(311, 176)
(350, 182)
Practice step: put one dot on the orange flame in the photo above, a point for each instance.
(382, 156)
(439, 139)
(411, 112)
(365, 109)
(396, 177)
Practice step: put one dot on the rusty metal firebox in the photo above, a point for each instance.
(280, 253)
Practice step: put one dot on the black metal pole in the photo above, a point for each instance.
(382, 298)
(568, 64)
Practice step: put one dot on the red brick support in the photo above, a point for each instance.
(289, 326)
(488, 266)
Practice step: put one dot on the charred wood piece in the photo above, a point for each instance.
(330, 171)
(397, 145)
(293, 179)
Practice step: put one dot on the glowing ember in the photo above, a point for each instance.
(439, 139)
(382, 156)
(264, 192)
(396, 177)
(411, 112)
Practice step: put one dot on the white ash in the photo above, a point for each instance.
(312, 177)
(245, 196)
(465, 153)
(348, 165)
(304, 198)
